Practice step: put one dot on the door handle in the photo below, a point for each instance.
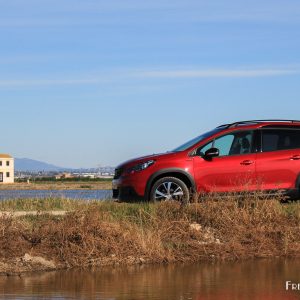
(295, 157)
(247, 162)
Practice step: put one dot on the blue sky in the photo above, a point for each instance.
(87, 83)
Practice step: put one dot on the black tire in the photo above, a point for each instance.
(173, 189)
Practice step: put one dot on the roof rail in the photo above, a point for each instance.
(235, 124)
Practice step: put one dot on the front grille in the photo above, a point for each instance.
(118, 173)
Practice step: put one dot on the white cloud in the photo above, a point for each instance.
(49, 82)
(225, 73)
(133, 75)
(64, 13)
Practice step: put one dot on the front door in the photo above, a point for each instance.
(233, 170)
(1, 177)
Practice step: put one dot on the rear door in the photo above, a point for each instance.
(278, 163)
(233, 170)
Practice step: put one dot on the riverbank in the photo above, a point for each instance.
(109, 233)
(59, 185)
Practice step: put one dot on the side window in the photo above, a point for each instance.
(235, 143)
(281, 139)
(224, 144)
(203, 149)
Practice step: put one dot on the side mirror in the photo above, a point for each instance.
(211, 153)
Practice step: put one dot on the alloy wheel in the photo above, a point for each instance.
(169, 191)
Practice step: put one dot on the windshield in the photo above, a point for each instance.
(197, 139)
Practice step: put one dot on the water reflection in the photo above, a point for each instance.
(248, 280)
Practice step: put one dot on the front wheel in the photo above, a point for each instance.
(170, 188)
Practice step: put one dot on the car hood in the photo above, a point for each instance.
(141, 159)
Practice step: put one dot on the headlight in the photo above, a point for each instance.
(141, 166)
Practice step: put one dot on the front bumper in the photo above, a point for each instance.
(128, 189)
(127, 194)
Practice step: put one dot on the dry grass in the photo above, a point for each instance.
(43, 204)
(99, 233)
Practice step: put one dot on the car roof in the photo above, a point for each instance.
(261, 124)
(248, 125)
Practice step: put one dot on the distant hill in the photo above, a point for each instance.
(31, 165)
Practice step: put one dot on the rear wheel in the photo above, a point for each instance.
(170, 188)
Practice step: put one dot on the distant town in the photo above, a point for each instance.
(24, 169)
(94, 173)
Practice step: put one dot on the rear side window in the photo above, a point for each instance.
(280, 139)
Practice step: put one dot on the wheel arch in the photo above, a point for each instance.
(181, 174)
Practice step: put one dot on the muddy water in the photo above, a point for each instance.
(259, 279)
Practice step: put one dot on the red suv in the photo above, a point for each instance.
(242, 156)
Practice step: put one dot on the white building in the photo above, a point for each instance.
(6, 169)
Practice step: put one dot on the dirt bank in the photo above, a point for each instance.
(116, 233)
